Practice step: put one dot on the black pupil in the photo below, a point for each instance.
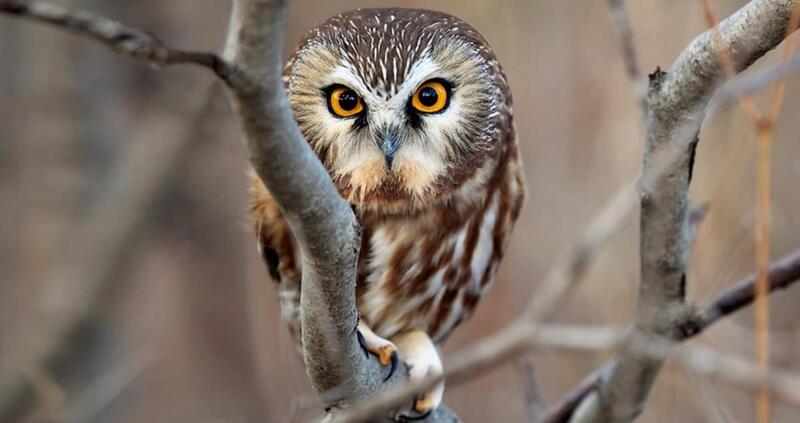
(348, 100)
(428, 96)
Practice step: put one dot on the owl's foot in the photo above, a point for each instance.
(384, 349)
(422, 359)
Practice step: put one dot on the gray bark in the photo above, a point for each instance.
(676, 108)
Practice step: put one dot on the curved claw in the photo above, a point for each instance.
(422, 416)
(395, 360)
(362, 342)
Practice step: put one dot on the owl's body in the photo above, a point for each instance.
(411, 114)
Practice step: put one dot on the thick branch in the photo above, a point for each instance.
(325, 227)
(520, 337)
(322, 222)
(676, 104)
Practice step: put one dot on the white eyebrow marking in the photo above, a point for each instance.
(420, 72)
(345, 76)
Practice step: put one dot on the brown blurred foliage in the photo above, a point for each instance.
(189, 329)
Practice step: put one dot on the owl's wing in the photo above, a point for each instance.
(279, 251)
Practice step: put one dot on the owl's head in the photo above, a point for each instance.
(406, 108)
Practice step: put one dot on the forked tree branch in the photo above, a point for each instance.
(524, 335)
(676, 109)
(323, 223)
(783, 274)
(328, 233)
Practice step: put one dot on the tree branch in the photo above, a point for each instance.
(782, 274)
(522, 336)
(619, 15)
(676, 103)
(323, 223)
(329, 236)
(91, 252)
(122, 39)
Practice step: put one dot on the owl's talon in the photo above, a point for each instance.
(384, 350)
(362, 342)
(424, 404)
(423, 416)
(423, 361)
(395, 361)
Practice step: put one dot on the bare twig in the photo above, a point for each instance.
(324, 224)
(756, 81)
(522, 335)
(764, 125)
(676, 101)
(116, 36)
(619, 14)
(701, 360)
(533, 395)
(782, 274)
(93, 250)
(570, 266)
(329, 235)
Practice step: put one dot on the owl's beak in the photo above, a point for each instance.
(388, 144)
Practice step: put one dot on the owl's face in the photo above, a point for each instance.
(406, 108)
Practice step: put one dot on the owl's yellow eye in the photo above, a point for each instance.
(430, 97)
(344, 102)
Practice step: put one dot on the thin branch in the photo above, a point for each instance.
(322, 222)
(571, 266)
(676, 102)
(619, 15)
(701, 360)
(747, 84)
(764, 137)
(533, 395)
(782, 274)
(122, 39)
(520, 336)
(92, 251)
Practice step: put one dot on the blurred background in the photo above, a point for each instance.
(184, 324)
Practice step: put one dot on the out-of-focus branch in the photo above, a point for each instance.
(676, 102)
(325, 226)
(702, 360)
(91, 253)
(782, 274)
(522, 336)
(533, 395)
(619, 15)
(118, 37)
(747, 84)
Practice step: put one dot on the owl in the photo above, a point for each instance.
(410, 113)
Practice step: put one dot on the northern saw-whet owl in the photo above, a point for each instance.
(410, 112)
